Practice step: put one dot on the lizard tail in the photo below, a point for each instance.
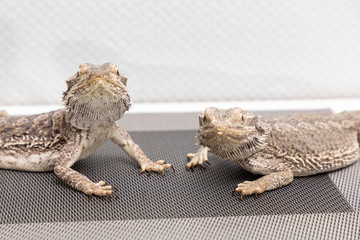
(355, 117)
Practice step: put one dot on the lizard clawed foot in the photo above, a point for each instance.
(249, 188)
(101, 189)
(158, 166)
(198, 158)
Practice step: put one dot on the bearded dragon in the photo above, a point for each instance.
(96, 97)
(279, 148)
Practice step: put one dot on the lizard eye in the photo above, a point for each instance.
(242, 118)
(77, 74)
(117, 72)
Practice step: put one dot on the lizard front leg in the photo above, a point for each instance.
(68, 156)
(276, 175)
(123, 139)
(198, 158)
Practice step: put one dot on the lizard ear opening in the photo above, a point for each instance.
(262, 128)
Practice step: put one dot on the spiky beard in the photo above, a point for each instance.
(84, 111)
(236, 151)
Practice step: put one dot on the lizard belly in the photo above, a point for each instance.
(42, 161)
(90, 148)
(93, 142)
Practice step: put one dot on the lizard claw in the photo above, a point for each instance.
(100, 189)
(249, 188)
(159, 166)
(115, 195)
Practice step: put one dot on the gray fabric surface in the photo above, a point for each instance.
(43, 196)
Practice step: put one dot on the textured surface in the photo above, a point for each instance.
(338, 225)
(280, 49)
(313, 226)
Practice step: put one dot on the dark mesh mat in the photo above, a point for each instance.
(41, 197)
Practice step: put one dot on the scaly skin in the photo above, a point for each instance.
(95, 99)
(278, 148)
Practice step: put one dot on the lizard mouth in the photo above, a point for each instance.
(99, 79)
(227, 135)
(231, 143)
(239, 150)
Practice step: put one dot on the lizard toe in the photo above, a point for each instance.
(198, 158)
(159, 167)
(101, 189)
(249, 188)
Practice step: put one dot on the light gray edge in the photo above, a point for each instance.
(298, 226)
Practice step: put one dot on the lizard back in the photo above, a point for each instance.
(314, 143)
(41, 131)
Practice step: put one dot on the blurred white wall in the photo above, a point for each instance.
(183, 50)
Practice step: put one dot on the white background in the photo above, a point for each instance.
(183, 50)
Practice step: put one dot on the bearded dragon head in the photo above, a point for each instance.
(232, 133)
(96, 95)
